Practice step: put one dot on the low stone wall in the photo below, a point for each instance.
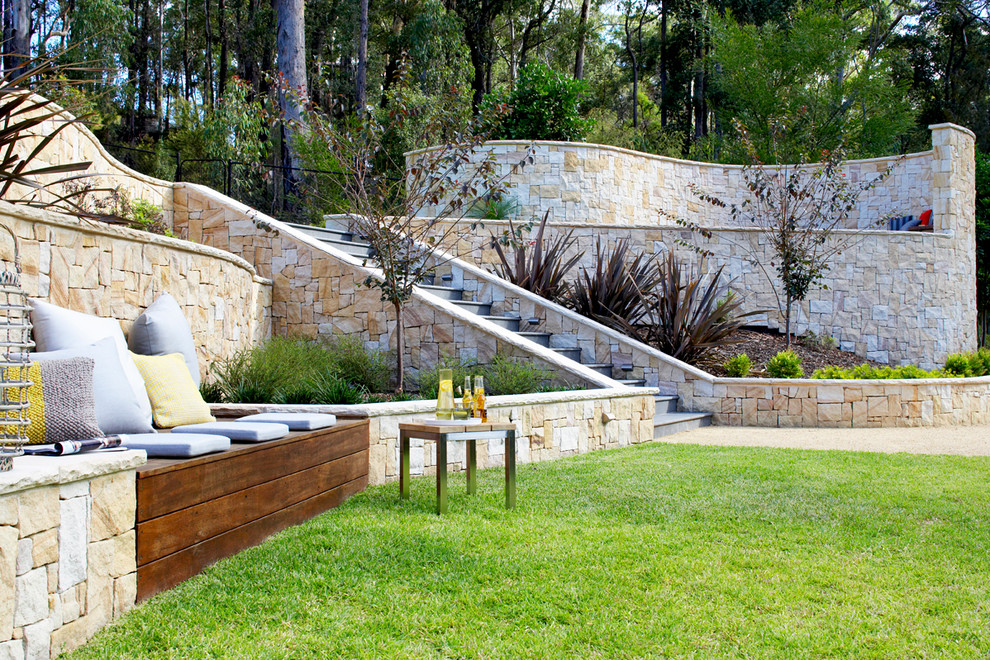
(548, 426)
(116, 272)
(841, 403)
(67, 550)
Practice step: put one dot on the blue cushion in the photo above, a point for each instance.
(295, 421)
(238, 431)
(168, 445)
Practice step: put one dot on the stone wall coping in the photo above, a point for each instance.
(853, 382)
(31, 214)
(385, 409)
(34, 471)
(948, 124)
(575, 146)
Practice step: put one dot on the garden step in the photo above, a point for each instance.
(541, 338)
(671, 423)
(569, 353)
(482, 309)
(633, 382)
(324, 232)
(604, 368)
(445, 292)
(665, 404)
(507, 322)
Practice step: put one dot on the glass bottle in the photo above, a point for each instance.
(468, 400)
(479, 398)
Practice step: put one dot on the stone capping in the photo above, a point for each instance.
(851, 382)
(34, 471)
(118, 231)
(684, 161)
(949, 124)
(389, 408)
(269, 223)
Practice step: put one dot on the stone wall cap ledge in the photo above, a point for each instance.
(35, 471)
(961, 129)
(426, 406)
(899, 382)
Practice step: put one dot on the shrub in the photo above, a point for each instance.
(738, 366)
(540, 265)
(958, 364)
(785, 364)
(612, 293)
(297, 371)
(544, 105)
(687, 316)
(496, 207)
(328, 388)
(819, 342)
(867, 372)
(502, 376)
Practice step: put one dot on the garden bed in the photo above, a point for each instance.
(761, 344)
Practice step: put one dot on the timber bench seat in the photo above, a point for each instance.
(193, 512)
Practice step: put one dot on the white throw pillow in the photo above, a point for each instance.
(117, 409)
(57, 328)
(162, 330)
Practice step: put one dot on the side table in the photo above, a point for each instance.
(471, 433)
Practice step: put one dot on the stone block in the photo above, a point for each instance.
(73, 541)
(70, 636)
(8, 509)
(40, 510)
(38, 640)
(113, 505)
(8, 565)
(12, 650)
(45, 550)
(31, 597)
(25, 558)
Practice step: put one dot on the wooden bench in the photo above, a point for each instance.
(194, 512)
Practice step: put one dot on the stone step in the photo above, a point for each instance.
(633, 382)
(482, 309)
(541, 338)
(352, 248)
(324, 232)
(665, 404)
(604, 368)
(671, 423)
(569, 353)
(445, 292)
(507, 322)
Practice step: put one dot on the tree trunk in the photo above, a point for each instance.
(663, 63)
(400, 348)
(362, 68)
(208, 55)
(582, 40)
(290, 43)
(186, 69)
(222, 26)
(635, 71)
(16, 33)
(787, 321)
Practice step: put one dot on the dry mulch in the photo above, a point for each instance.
(761, 345)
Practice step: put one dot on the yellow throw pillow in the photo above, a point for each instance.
(175, 399)
(62, 406)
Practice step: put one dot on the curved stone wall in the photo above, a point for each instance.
(116, 272)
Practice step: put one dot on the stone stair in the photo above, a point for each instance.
(353, 245)
(666, 419)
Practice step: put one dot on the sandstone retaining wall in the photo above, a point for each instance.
(67, 550)
(116, 272)
(548, 426)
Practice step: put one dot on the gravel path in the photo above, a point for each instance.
(958, 440)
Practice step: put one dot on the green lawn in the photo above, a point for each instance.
(651, 551)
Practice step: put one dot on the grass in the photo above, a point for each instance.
(651, 551)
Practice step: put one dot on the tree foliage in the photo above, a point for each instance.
(544, 105)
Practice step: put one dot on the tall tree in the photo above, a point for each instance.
(16, 33)
(291, 46)
(582, 41)
(362, 69)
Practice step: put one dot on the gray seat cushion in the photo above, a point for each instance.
(238, 431)
(169, 445)
(118, 410)
(162, 329)
(295, 421)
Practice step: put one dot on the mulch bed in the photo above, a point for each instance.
(761, 345)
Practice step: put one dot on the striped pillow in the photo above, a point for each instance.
(63, 406)
(175, 399)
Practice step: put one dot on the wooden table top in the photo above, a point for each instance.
(425, 426)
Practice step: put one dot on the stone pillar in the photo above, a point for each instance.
(954, 210)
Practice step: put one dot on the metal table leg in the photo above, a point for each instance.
(403, 465)
(510, 469)
(472, 466)
(442, 474)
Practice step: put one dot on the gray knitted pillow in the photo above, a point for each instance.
(63, 406)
